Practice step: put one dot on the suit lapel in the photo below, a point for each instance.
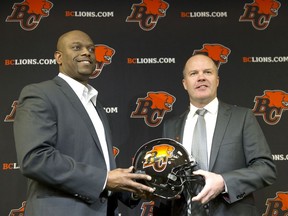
(106, 126)
(179, 127)
(76, 103)
(223, 118)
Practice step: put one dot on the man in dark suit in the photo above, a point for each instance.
(239, 158)
(64, 144)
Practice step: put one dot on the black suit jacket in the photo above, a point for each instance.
(239, 153)
(60, 153)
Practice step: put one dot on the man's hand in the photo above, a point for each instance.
(124, 179)
(214, 185)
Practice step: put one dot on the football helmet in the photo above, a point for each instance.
(170, 166)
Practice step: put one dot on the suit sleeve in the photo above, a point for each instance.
(35, 132)
(259, 170)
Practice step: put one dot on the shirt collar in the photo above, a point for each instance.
(84, 93)
(212, 107)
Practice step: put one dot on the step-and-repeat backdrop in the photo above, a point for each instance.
(141, 47)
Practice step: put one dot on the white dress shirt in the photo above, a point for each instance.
(210, 121)
(88, 96)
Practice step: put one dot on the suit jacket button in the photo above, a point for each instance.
(103, 199)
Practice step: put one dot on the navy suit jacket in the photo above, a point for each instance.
(239, 153)
(60, 153)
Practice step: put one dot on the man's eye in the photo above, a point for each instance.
(193, 73)
(75, 47)
(92, 49)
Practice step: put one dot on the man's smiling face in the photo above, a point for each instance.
(76, 56)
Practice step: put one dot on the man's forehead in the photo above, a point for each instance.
(200, 61)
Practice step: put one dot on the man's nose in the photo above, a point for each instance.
(86, 51)
(201, 76)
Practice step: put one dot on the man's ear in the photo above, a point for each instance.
(184, 84)
(58, 57)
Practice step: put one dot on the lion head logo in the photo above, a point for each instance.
(158, 157)
(277, 205)
(217, 52)
(160, 100)
(147, 13)
(153, 107)
(29, 13)
(155, 7)
(271, 105)
(39, 7)
(268, 7)
(103, 55)
(277, 99)
(260, 12)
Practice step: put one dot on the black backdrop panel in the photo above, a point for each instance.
(148, 57)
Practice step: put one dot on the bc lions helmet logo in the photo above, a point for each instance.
(217, 52)
(277, 205)
(29, 13)
(153, 107)
(147, 13)
(271, 105)
(158, 157)
(103, 55)
(260, 13)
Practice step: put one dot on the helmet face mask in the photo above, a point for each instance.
(170, 167)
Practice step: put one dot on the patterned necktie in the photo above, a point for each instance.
(199, 143)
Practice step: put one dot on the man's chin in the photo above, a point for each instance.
(86, 72)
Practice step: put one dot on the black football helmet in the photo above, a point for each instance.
(170, 167)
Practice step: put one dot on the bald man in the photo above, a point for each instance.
(63, 141)
(239, 161)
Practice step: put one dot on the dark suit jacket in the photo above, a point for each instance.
(59, 151)
(239, 153)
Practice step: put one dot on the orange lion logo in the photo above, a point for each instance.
(158, 157)
(155, 7)
(277, 99)
(153, 107)
(40, 7)
(217, 52)
(160, 100)
(103, 55)
(269, 7)
(271, 105)
(277, 205)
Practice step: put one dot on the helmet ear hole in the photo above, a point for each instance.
(169, 165)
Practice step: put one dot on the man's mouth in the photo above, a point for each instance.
(84, 61)
(201, 86)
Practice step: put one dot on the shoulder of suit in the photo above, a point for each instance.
(233, 107)
(177, 117)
